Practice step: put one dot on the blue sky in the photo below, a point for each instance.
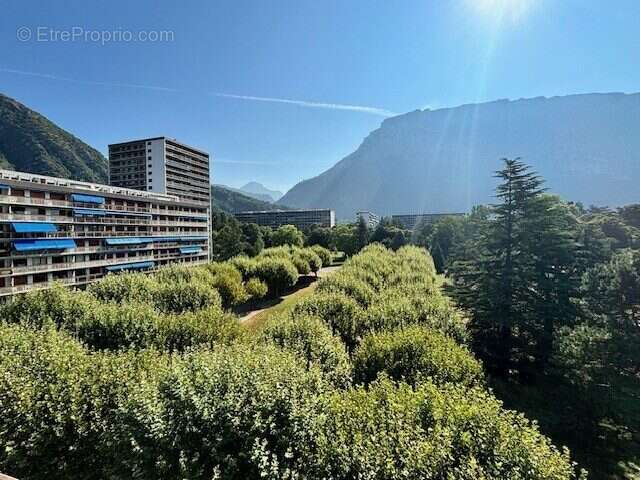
(345, 64)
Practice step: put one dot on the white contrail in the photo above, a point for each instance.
(86, 82)
(303, 103)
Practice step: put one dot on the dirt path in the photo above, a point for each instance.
(256, 316)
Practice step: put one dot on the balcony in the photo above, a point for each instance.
(79, 264)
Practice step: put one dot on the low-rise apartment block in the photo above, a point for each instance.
(411, 221)
(54, 229)
(302, 219)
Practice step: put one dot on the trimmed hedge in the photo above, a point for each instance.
(120, 325)
(244, 411)
(311, 339)
(389, 431)
(414, 355)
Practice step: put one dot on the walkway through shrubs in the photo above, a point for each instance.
(152, 377)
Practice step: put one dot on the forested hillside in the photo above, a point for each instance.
(31, 143)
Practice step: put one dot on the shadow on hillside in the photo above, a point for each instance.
(601, 428)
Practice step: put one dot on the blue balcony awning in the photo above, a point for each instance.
(34, 227)
(176, 239)
(126, 241)
(131, 266)
(3, 186)
(190, 249)
(78, 197)
(29, 245)
(90, 212)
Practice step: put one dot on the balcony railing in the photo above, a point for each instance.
(79, 264)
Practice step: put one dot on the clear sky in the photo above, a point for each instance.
(202, 71)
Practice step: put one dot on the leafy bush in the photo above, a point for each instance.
(245, 265)
(390, 431)
(312, 258)
(323, 253)
(348, 285)
(227, 280)
(413, 355)
(236, 412)
(310, 338)
(120, 325)
(124, 287)
(278, 274)
(182, 297)
(287, 235)
(256, 288)
(302, 265)
(343, 315)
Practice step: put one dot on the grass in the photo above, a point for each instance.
(278, 305)
(600, 428)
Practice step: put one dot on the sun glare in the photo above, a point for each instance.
(503, 10)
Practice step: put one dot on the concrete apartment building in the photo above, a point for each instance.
(411, 221)
(54, 229)
(161, 165)
(300, 218)
(371, 219)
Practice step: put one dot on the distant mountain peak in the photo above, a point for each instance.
(261, 192)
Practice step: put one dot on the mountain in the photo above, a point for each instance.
(257, 190)
(29, 142)
(586, 146)
(231, 201)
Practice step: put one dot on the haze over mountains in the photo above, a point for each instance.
(258, 191)
(586, 146)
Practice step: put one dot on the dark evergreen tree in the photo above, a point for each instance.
(363, 233)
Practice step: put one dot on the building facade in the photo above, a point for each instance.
(54, 229)
(371, 219)
(300, 218)
(161, 165)
(411, 221)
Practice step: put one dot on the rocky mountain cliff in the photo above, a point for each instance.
(586, 146)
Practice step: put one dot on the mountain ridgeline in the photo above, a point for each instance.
(587, 147)
(31, 143)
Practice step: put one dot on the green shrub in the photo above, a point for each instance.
(302, 266)
(243, 412)
(310, 338)
(349, 285)
(278, 274)
(182, 297)
(256, 288)
(227, 280)
(287, 235)
(389, 432)
(343, 315)
(245, 265)
(323, 253)
(413, 355)
(124, 287)
(312, 258)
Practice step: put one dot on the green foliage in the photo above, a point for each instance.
(237, 412)
(182, 297)
(287, 235)
(245, 265)
(323, 253)
(120, 325)
(413, 355)
(227, 280)
(256, 288)
(311, 338)
(29, 142)
(389, 431)
(278, 273)
(343, 315)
